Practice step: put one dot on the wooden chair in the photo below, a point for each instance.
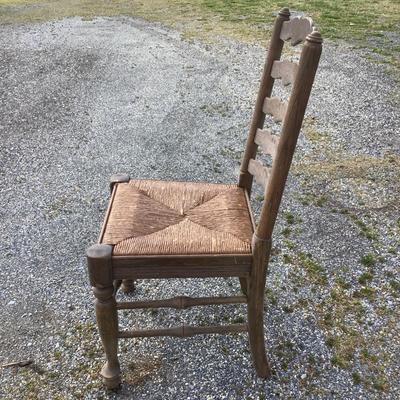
(159, 229)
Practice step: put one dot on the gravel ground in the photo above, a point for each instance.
(81, 100)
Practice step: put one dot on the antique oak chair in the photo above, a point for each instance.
(160, 229)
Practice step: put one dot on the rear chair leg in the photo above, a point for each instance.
(255, 308)
(128, 285)
(244, 285)
(100, 273)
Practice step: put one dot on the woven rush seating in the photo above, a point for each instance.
(155, 218)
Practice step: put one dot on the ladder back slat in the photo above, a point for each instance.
(309, 60)
(267, 141)
(260, 172)
(267, 83)
(285, 70)
(296, 29)
(276, 107)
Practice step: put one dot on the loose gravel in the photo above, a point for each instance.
(81, 100)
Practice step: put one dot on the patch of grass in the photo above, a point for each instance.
(368, 356)
(365, 292)
(313, 268)
(331, 341)
(302, 303)
(311, 359)
(395, 285)
(365, 177)
(365, 277)
(287, 259)
(368, 260)
(339, 361)
(312, 198)
(380, 384)
(286, 232)
(140, 371)
(285, 352)
(356, 378)
(271, 298)
(311, 132)
(320, 201)
(289, 244)
(289, 217)
(351, 344)
(343, 283)
(73, 357)
(365, 230)
(238, 320)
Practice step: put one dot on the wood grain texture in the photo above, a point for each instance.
(275, 107)
(244, 282)
(118, 178)
(267, 141)
(260, 173)
(100, 273)
(181, 302)
(253, 222)
(255, 309)
(124, 268)
(266, 85)
(285, 70)
(296, 29)
(109, 207)
(185, 331)
(290, 131)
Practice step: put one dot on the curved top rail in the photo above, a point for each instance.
(296, 29)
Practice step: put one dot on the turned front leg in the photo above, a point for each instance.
(100, 273)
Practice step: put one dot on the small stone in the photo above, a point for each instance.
(11, 303)
(304, 376)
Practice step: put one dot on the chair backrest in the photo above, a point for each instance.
(291, 114)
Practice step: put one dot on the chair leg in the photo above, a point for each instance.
(107, 321)
(244, 284)
(128, 285)
(117, 284)
(100, 272)
(255, 308)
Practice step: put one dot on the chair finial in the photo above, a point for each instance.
(314, 37)
(284, 12)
